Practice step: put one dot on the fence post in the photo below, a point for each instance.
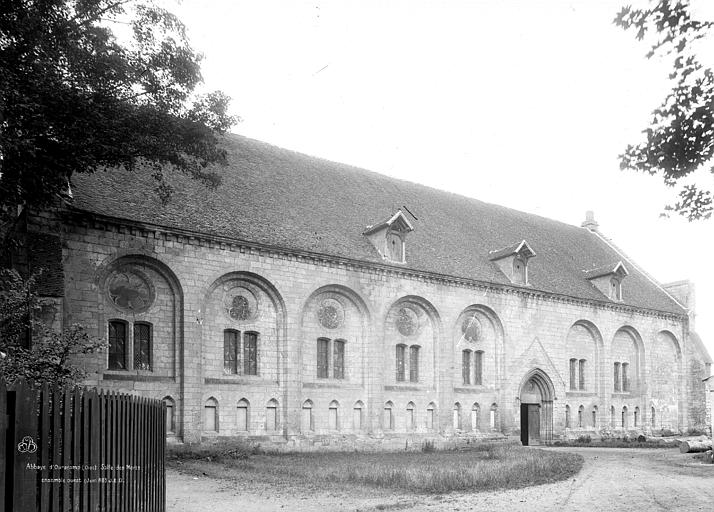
(43, 448)
(4, 418)
(25, 447)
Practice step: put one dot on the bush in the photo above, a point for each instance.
(428, 446)
(220, 450)
(584, 439)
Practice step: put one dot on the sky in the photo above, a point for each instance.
(526, 104)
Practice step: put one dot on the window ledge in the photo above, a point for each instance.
(407, 386)
(238, 379)
(331, 383)
(472, 389)
(580, 393)
(622, 394)
(141, 376)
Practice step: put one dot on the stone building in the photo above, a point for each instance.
(304, 301)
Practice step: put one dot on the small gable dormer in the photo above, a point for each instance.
(389, 237)
(513, 261)
(608, 279)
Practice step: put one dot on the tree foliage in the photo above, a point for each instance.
(32, 349)
(680, 138)
(76, 97)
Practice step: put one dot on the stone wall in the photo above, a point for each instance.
(291, 300)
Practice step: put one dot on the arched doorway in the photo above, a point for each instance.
(536, 397)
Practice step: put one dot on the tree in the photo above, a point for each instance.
(28, 347)
(74, 97)
(680, 139)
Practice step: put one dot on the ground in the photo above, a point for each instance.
(611, 479)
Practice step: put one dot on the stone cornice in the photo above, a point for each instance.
(189, 237)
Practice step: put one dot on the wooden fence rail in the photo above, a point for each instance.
(80, 450)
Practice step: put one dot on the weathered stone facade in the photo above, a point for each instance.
(291, 346)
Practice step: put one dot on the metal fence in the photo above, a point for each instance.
(80, 450)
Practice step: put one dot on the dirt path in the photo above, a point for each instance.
(611, 480)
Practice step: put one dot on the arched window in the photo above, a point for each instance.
(411, 421)
(271, 415)
(401, 362)
(333, 417)
(210, 415)
(519, 271)
(430, 416)
(573, 372)
(494, 411)
(307, 419)
(636, 417)
(567, 417)
(242, 409)
(624, 417)
(594, 415)
(357, 416)
(231, 351)
(142, 345)
(338, 359)
(323, 358)
(581, 409)
(581, 374)
(414, 363)
(478, 367)
(652, 417)
(457, 416)
(466, 366)
(617, 377)
(170, 417)
(250, 353)
(117, 345)
(388, 416)
(476, 417)
(625, 377)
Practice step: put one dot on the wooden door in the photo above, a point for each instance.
(533, 424)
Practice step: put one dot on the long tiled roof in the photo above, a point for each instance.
(286, 199)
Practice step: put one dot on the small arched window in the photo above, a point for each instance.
(142, 345)
(170, 415)
(401, 362)
(243, 419)
(567, 416)
(307, 419)
(357, 419)
(414, 363)
(210, 415)
(457, 416)
(653, 421)
(618, 387)
(466, 366)
(624, 417)
(333, 417)
(613, 418)
(231, 351)
(594, 416)
(636, 417)
(250, 353)
(271, 415)
(478, 367)
(117, 345)
(430, 416)
(581, 409)
(388, 416)
(476, 417)
(395, 247)
(494, 412)
(411, 420)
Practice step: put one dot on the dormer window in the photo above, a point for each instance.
(389, 237)
(513, 261)
(608, 279)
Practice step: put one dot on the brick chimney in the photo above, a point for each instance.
(590, 223)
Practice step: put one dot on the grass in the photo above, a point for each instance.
(613, 443)
(484, 467)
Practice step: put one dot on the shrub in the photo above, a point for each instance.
(428, 446)
(584, 439)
